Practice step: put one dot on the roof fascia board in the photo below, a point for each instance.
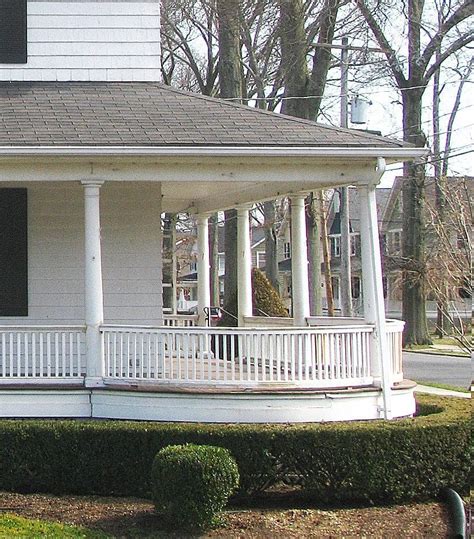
(397, 154)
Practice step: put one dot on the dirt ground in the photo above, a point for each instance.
(127, 517)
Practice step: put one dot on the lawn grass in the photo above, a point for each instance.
(443, 386)
(15, 526)
(446, 341)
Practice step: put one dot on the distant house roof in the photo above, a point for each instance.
(463, 185)
(152, 114)
(382, 195)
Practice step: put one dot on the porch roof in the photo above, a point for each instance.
(111, 114)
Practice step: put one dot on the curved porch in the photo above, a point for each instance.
(187, 373)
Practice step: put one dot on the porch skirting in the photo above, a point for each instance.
(203, 405)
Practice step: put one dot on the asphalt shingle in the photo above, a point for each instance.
(152, 114)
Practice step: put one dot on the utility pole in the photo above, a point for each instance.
(345, 266)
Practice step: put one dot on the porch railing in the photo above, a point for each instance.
(309, 357)
(180, 320)
(41, 353)
(312, 357)
(395, 348)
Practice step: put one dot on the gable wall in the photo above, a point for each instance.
(131, 254)
(84, 40)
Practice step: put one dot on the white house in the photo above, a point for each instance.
(93, 148)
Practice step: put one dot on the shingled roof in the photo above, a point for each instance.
(152, 114)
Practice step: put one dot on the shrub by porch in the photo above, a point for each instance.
(380, 461)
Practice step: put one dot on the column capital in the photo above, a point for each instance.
(92, 183)
(244, 207)
(297, 196)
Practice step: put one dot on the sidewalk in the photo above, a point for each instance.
(441, 349)
(443, 392)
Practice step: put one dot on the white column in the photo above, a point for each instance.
(244, 265)
(374, 312)
(203, 280)
(94, 303)
(299, 261)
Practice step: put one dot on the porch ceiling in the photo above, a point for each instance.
(203, 179)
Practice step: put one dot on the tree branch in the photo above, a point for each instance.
(383, 43)
(454, 47)
(462, 13)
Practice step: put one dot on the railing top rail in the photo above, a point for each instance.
(51, 327)
(341, 318)
(237, 331)
(168, 316)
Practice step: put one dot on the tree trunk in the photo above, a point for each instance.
(313, 221)
(323, 55)
(442, 304)
(326, 256)
(230, 83)
(271, 262)
(294, 49)
(413, 242)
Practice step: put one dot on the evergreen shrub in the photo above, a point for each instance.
(192, 483)
(378, 461)
(265, 301)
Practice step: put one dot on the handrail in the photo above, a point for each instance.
(43, 327)
(236, 330)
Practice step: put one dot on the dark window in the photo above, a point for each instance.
(355, 286)
(13, 32)
(13, 253)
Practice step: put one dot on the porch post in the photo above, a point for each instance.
(374, 312)
(244, 265)
(299, 262)
(94, 303)
(203, 281)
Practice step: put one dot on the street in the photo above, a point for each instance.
(455, 371)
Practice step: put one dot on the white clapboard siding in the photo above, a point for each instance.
(90, 41)
(131, 242)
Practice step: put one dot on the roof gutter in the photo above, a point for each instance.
(397, 154)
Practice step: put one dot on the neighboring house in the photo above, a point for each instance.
(93, 150)
(390, 220)
(186, 253)
(334, 232)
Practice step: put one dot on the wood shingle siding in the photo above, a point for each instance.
(131, 247)
(87, 40)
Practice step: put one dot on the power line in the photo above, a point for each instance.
(437, 160)
(285, 98)
(429, 120)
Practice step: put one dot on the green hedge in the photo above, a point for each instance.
(410, 459)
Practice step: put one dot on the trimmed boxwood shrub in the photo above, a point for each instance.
(381, 461)
(192, 483)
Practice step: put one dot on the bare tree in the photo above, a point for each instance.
(412, 72)
(449, 269)
(440, 166)
(230, 84)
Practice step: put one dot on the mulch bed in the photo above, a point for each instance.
(128, 517)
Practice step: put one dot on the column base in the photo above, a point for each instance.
(94, 381)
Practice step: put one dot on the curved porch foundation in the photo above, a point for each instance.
(194, 404)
